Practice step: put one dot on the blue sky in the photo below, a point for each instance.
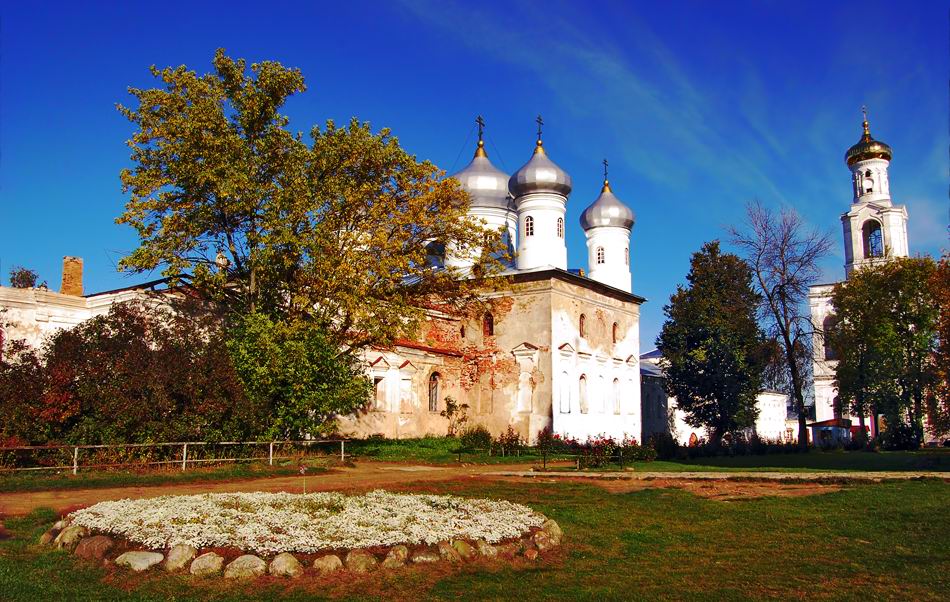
(699, 106)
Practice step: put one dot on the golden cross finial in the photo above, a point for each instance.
(867, 127)
(540, 123)
(606, 187)
(480, 151)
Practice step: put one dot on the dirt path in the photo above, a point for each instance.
(370, 475)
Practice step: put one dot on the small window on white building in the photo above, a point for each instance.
(565, 393)
(488, 325)
(616, 396)
(600, 255)
(626, 256)
(379, 393)
(529, 226)
(615, 332)
(560, 227)
(582, 386)
(582, 326)
(434, 382)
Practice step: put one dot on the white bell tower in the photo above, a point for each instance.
(874, 229)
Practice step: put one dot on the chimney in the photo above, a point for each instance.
(72, 276)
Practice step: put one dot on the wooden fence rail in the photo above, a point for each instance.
(184, 458)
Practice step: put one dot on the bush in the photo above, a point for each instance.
(665, 446)
(510, 441)
(140, 373)
(899, 436)
(476, 437)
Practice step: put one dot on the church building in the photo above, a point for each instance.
(875, 230)
(559, 350)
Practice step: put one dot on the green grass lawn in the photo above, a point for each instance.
(880, 541)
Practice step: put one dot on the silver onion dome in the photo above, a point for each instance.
(607, 210)
(540, 174)
(487, 184)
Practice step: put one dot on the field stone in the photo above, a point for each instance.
(48, 537)
(507, 550)
(285, 565)
(464, 549)
(544, 541)
(207, 564)
(396, 557)
(247, 566)
(69, 537)
(328, 564)
(553, 530)
(179, 557)
(447, 552)
(425, 556)
(94, 548)
(485, 549)
(531, 554)
(139, 561)
(60, 524)
(360, 561)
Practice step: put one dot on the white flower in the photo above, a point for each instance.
(269, 523)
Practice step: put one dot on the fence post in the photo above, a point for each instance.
(270, 455)
(544, 455)
(184, 456)
(342, 451)
(75, 460)
(621, 459)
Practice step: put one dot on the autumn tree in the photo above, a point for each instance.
(712, 345)
(21, 277)
(885, 338)
(938, 398)
(333, 228)
(784, 255)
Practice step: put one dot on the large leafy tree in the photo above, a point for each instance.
(290, 368)
(712, 345)
(784, 254)
(334, 229)
(885, 337)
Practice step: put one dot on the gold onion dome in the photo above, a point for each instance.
(540, 174)
(607, 211)
(867, 148)
(487, 185)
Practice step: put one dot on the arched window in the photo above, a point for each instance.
(582, 326)
(626, 256)
(827, 326)
(873, 239)
(529, 226)
(560, 227)
(582, 385)
(616, 396)
(434, 392)
(615, 332)
(462, 331)
(488, 325)
(600, 255)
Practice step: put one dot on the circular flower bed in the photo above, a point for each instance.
(269, 523)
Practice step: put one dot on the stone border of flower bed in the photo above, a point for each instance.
(91, 546)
